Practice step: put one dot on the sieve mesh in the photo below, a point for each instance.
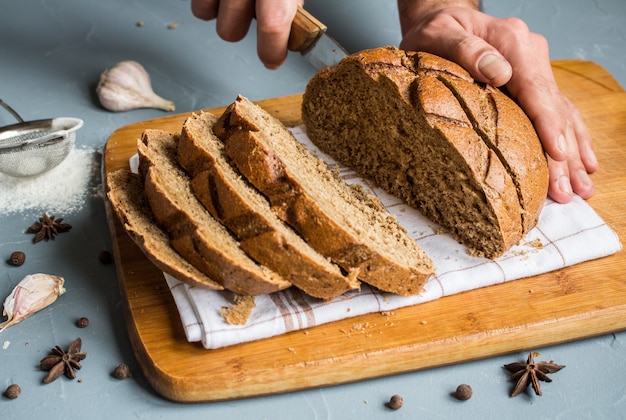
(32, 148)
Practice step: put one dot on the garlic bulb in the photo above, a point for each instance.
(127, 86)
(33, 293)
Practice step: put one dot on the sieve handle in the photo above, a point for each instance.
(59, 134)
(11, 111)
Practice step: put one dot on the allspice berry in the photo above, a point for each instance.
(82, 322)
(463, 392)
(17, 258)
(122, 371)
(395, 402)
(13, 391)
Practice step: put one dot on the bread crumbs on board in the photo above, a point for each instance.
(239, 311)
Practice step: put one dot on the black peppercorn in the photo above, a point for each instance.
(463, 392)
(82, 322)
(395, 402)
(17, 258)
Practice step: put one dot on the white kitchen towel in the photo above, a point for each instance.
(566, 234)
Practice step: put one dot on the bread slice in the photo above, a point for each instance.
(461, 152)
(341, 222)
(125, 194)
(240, 207)
(193, 232)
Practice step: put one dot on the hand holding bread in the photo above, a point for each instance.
(503, 52)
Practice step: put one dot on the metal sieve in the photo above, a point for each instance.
(30, 148)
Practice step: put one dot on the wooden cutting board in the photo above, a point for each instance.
(577, 302)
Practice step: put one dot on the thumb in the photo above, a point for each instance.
(479, 58)
(491, 68)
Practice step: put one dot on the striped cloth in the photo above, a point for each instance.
(566, 234)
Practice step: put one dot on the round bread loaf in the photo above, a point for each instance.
(462, 152)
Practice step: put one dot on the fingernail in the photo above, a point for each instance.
(593, 159)
(492, 66)
(560, 143)
(584, 179)
(565, 185)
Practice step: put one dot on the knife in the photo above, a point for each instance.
(308, 37)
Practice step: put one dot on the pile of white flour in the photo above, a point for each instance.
(61, 190)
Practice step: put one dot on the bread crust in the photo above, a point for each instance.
(247, 214)
(252, 139)
(193, 232)
(125, 194)
(461, 152)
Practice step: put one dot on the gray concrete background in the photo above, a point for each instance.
(51, 55)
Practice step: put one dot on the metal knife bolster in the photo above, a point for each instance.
(326, 52)
(308, 36)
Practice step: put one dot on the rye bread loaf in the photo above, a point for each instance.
(247, 214)
(418, 125)
(344, 223)
(125, 194)
(193, 232)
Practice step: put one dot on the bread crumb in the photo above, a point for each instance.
(140, 24)
(172, 26)
(239, 311)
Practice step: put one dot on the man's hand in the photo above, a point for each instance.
(505, 52)
(273, 17)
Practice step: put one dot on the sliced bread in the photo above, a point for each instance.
(247, 214)
(125, 194)
(463, 153)
(341, 222)
(193, 232)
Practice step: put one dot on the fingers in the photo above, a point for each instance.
(273, 27)
(204, 9)
(234, 18)
(568, 178)
(504, 51)
(557, 121)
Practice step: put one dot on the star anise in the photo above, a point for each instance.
(530, 373)
(47, 227)
(60, 361)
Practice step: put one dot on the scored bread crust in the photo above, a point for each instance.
(339, 221)
(240, 207)
(193, 232)
(125, 194)
(461, 152)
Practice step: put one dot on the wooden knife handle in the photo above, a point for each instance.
(305, 30)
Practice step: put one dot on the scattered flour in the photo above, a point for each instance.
(61, 190)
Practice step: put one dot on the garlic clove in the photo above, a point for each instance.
(127, 86)
(33, 293)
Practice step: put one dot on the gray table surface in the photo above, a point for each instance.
(51, 55)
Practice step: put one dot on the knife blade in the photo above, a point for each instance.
(308, 37)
